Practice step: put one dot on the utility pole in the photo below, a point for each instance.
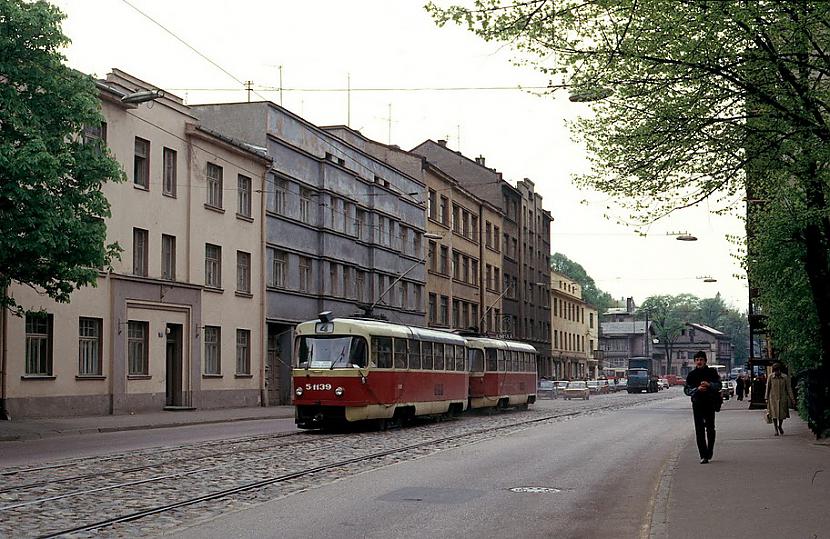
(348, 99)
(280, 85)
(248, 87)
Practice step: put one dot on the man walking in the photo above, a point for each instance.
(703, 385)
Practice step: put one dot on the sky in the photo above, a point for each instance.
(410, 81)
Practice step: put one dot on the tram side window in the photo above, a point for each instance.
(459, 358)
(439, 356)
(501, 360)
(475, 358)
(357, 352)
(492, 363)
(382, 347)
(401, 353)
(414, 354)
(514, 359)
(524, 356)
(426, 356)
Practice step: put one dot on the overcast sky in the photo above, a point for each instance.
(385, 44)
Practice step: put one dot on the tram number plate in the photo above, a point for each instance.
(318, 387)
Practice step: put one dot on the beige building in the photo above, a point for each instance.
(574, 327)
(177, 322)
(463, 247)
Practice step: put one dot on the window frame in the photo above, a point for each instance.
(43, 365)
(244, 195)
(213, 266)
(94, 346)
(215, 185)
(243, 272)
(141, 164)
(141, 251)
(169, 172)
(244, 347)
(143, 362)
(168, 257)
(212, 350)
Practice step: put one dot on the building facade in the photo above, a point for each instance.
(573, 335)
(177, 322)
(622, 336)
(463, 262)
(343, 229)
(525, 245)
(694, 338)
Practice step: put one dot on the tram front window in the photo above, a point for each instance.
(331, 352)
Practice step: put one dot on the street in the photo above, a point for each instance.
(578, 458)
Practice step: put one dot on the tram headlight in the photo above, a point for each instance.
(339, 391)
(298, 392)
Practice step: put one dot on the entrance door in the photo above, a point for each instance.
(272, 369)
(174, 365)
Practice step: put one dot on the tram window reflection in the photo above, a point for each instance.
(414, 354)
(476, 360)
(439, 356)
(492, 363)
(382, 348)
(426, 355)
(401, 353)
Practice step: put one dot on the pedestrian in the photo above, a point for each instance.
(779, 397)
(747, 384)
(739, 388)
(703, 386)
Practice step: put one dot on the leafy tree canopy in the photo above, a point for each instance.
(590, 292)
(52, 210)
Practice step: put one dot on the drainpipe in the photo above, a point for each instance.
(263, 291)
(4, 339)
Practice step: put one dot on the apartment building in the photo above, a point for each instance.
(463, 255)
(344, 229)
(574, 330)
(525, 245)
(177, 323)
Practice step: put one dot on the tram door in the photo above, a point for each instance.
(174, 365)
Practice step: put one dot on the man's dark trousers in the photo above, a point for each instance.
(704, 414)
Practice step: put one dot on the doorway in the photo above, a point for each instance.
(174, 365)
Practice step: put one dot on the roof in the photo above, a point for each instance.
(617, 310)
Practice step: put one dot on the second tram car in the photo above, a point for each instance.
(357, 369)
(502, 373)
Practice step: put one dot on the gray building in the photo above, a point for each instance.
(525, 245)
(341, 227)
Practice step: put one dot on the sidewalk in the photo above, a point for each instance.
(757, 485)
(29, 429)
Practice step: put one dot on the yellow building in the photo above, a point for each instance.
(574, 327)
(178, 321)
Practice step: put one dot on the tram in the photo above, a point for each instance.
(359, 369)
(502, 373)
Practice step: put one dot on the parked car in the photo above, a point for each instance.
(662, 383)
(546, 390)
(612, 386)
(577, 390)
(622, 384)
(593, 385)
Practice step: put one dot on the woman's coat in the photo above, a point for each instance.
(779, 396)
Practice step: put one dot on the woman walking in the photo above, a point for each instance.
(779, 396)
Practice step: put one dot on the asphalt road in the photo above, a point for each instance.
(31, 452)
(597, 474)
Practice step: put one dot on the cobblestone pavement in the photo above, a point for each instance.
(72, 493)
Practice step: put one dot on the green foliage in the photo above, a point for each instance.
(52, 210)
(695, 100)
(590, 292)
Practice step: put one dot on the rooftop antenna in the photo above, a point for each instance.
(248, 87)
(348, 99)
(280, 85)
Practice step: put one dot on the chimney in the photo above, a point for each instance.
(442, 142)
(629, 305)
(480, 160)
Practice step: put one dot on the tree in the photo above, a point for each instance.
(52, 210)
(668, 316)
(590, 292)
(695, 99)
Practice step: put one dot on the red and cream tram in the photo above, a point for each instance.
(356, 369)
(502, 373)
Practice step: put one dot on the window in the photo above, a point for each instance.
(488, 272)
(305, 274)
(169, 173)
(443, 211)
(243, 351)
(96, 135)
(333, 279)
(280, 196)
(348, 210)
(496, 279)
(305, 205)
(137, 349)
(141, 163)
(456, 218)
(335, 213)
(214, 185)
(38, 344)
(404, 295)
(359, 223)
(243, 190)
(213, 266)
(432, 208)
(243, 272)
(359, 284)
(347, 282)
(496, 238)
(465, 269)
(277, 267)
(89, 346)
(456, 313)
(456, 265)
(433, 263)
(443, 267)
(443, 313)
(140, 251)
(168, 257)
(213, 351)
